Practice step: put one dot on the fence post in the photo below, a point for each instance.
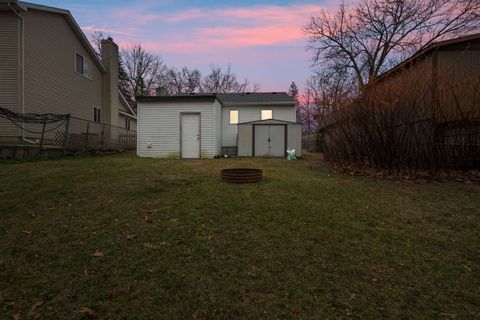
(65, 140)
(40, 151)
(86, 138)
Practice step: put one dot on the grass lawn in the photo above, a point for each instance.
(173, 242)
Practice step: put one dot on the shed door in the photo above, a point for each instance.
(262, 145)
(190, 136)
(277, 141)
(269, 140)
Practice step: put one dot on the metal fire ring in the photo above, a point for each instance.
(242, 175)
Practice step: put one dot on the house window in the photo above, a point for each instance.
(266, 114)
(97, 114)
(233, 116)
(127, 123)
(83, 66)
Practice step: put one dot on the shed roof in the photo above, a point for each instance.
(268, 121)
(255, 98)
(178, 98)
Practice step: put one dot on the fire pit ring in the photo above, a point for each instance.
(242, 175)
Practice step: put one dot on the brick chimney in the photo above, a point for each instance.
(110, 84)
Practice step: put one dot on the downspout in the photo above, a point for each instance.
(22, 66)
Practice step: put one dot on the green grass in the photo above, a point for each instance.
(303, 244)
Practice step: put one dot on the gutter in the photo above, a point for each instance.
(22, 66)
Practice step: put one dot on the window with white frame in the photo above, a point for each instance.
(127, 123)
(266, 114)
(97, 114)
(83, 66)
(233, 116)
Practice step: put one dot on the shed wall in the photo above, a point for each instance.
(159, 124)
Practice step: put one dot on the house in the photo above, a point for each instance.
(47, 65)
(209, 125)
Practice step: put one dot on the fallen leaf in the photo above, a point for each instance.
(89, 312)
(353, 296)
(97, 253)
(130, 237)
(16, 316)
(27, 232)
(34, 308)
(147, 218)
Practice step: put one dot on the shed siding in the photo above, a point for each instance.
(9, 69)
(218, 127)
(159, 124)
(251, 113)
(51, 83)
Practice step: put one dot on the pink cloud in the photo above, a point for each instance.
(239, 27)
(255, 36)
(257, 15)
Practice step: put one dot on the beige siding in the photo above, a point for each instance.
(51, 83)
(121, 122)
(9, 69)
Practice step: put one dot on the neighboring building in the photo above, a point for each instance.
(209, 125)
(442, 63)
(47, 65)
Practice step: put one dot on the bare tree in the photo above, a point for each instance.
(370, 38)
(180, 81)
(224, 81)
(96, 41)
(144, 70)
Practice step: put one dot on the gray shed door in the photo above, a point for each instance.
(269, 140)
(190, 136)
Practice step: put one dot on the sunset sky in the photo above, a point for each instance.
(262, 39)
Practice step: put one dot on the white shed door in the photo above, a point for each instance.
(190, 136)
(277, 141)
(262, 135)
(269, 141)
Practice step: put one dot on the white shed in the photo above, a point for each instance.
(209, 125)
(179, 127)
